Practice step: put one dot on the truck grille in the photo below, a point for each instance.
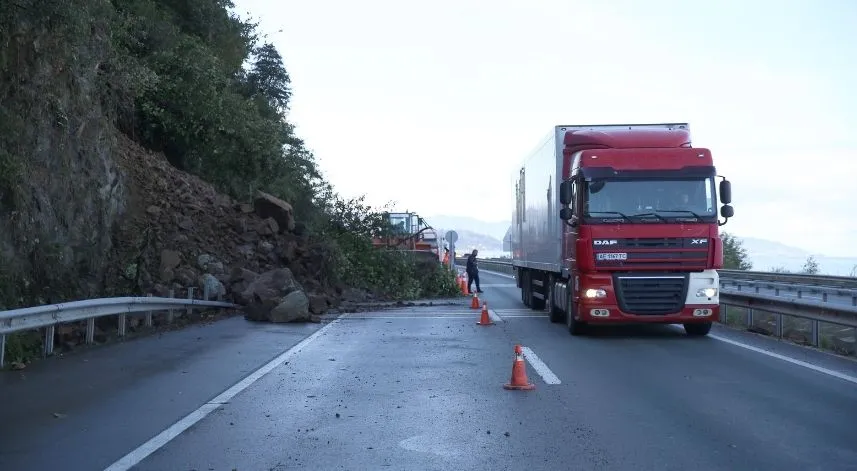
(657, 253)
(651, 295)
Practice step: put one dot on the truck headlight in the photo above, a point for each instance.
(595, 293)
(707, 293)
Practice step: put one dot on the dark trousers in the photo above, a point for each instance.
(471, 277)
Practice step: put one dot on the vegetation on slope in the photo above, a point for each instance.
(182, 77)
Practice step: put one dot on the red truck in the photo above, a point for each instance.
(618, 224)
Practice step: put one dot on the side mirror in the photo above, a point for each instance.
(566, 213)
(565, 193)
(727, 211)
(725, 191)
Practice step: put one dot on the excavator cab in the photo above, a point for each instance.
(408, 232)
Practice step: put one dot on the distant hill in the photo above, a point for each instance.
(469, 240)
(766, 255)
(495, 229)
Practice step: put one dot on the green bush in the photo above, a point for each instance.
(351, 224)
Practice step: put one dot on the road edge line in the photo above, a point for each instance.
(160, 440)
(794, 361)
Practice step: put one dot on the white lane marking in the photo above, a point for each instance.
(494, 316)
(793, 361)
(516, 310)
(522, 316)
(498, 285)
(498, 274)
(540, 367)
(160, 440)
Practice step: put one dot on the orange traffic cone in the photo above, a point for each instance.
(519, 373)
(485, 319)
(462, 285)
(474, 301)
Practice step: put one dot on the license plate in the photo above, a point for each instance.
(612, 256)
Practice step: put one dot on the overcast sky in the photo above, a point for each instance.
(398, 99)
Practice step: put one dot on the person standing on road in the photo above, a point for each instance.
(472, 270)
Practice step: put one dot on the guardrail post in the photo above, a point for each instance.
(190, 297)
(779, 326)
(50, 331)
(206, 292)
(90, 331)
(2, 350)
(170, 313)
(149, 314)
(749, 317)
(824, 296)
(816, 337)
(122, 322)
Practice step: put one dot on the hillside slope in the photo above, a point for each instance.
(178, 228)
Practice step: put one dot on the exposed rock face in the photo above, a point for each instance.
(61, 191)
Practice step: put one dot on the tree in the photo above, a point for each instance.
(269, 78)
(810, 267)
(735, 256)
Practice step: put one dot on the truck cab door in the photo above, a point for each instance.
(572, 229)
(570, 222)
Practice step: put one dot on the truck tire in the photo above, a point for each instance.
(555, 314)
(526, 289)
(575, 327)
(697, 330)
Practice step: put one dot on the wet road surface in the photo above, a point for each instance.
(421, 388)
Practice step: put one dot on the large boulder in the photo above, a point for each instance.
(269, 206)
(294, 307)
(318, 304)
(273, 296)
(212, 285)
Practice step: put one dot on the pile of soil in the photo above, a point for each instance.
(178, 228)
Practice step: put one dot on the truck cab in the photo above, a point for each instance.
(638, 236)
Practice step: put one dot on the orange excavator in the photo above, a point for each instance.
(409, 232)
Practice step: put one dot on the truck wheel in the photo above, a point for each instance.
(697, 330)
(526, 289)
(555, 314)
(575, 327)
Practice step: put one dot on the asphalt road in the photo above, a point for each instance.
(422, 389)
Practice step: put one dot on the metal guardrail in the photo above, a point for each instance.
(837, 303)
(51, 315)
(827, 281)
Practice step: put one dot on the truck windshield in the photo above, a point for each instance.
(653, 201)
